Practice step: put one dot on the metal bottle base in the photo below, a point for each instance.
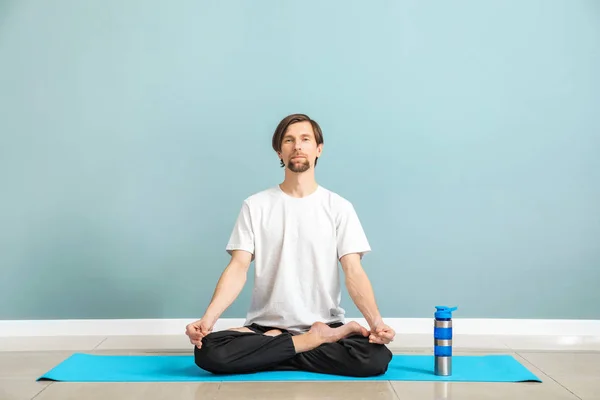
(443, 366)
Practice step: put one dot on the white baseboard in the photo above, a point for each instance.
(463, 326)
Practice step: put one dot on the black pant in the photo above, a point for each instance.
(232, 352)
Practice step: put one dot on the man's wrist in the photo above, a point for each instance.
(210, 317)
(374, 322)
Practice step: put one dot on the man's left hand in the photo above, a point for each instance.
(381, 334)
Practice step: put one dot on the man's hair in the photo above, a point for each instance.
(292, 119)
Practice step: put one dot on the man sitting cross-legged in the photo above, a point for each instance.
(296, 233)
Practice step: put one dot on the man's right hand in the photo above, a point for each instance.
(198, 330)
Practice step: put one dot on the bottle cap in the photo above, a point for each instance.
(444, 312)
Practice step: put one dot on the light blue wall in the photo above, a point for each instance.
(466, 133)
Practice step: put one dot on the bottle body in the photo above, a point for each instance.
(443, 346)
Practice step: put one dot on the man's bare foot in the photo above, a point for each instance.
(272, 332)
(328, 334)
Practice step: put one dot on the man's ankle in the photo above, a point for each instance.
(306, 341)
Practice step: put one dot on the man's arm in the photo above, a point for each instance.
(360, 289)
(230, 285)
(361, 292)
(228, 288)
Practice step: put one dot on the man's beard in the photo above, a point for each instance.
(295, 166)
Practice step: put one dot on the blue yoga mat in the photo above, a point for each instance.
(181, 368)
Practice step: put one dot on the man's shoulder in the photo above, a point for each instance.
(335, 199)
(262, 196)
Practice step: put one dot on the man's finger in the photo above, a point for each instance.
(382, 340)
(375, 339)
(387, 334)
(197, 342)
(385, 337)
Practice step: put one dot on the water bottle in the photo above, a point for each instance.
(442, 340)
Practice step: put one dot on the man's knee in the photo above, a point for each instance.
(211, 357)
(377, 362)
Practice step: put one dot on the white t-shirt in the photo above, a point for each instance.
(296, 245)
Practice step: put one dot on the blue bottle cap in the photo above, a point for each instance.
(444, 312)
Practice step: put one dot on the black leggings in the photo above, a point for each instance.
(233, 352)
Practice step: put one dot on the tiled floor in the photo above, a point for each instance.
(569, 367)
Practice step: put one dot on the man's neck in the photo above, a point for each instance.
(299, 184)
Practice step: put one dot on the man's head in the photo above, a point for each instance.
(298, 141)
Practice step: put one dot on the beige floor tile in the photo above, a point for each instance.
(584, 387)
(553, 343)
(154, 343)
(50, 343)
(561, 364)
(578, 372)
(130, 391)
(306, 390)
(28, 364)
(20, 389)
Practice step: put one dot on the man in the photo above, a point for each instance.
(296, 233)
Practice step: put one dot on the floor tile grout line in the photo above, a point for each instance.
(394, 390)
(41, 391)
(99, 344)
(548, 375)
(217, 394)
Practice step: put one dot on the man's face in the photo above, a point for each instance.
(299, 147)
